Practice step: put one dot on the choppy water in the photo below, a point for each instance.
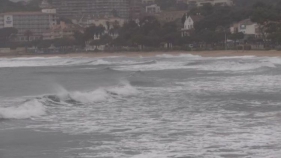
(162, 107)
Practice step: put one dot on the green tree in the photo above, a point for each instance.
(7, 35)
(107, 25)
(27, 34)
(93, 31)
(79, 38)
(264, 14)
(236, 36)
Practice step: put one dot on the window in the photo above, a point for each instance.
(242, 26)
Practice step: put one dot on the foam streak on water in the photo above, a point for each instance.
(158, 107)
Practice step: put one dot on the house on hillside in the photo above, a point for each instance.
(189, 24)
(169, 16)
(153, 9)
(247, 27)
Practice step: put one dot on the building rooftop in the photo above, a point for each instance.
(197, 18)
(246, 22)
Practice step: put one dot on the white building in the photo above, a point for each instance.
(35, 23)
(152, 9)
(247, 27)
(147, 2)
(87, 21)
(189, 24)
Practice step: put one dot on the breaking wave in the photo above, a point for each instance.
(58, 61)
(29, 109)
(52, 61)
(38, 106)
(178, 56)
(98, 95)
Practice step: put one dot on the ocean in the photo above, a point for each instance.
(166, 106)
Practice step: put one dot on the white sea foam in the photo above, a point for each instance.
(89, 97)
(237, 84)
(178, 56)
(35, 58)
(125, 89)
(161, 65)
(29, 109)
(98, 95)
(273, 60)
(176, 121)
(232, 66)
(55, 61)
(59, 61)
(101, 62)
(244, 63)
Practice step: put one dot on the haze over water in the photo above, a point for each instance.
(147, 107)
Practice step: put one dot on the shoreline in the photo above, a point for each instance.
(224, 53)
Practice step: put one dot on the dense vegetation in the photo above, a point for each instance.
(211, 30)
(7, 35)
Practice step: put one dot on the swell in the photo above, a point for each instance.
(97, 95)
(46, 62)
(28, 109)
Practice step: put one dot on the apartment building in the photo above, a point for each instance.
(148, 2)
(78, 8)
(30, 25)
(135, 9)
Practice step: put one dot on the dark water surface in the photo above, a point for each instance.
(162, 107)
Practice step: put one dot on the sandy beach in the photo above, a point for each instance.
(270, 53)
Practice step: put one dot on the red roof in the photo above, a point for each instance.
(197, 18)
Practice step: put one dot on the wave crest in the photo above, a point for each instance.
(98, 95)
(29, 109)
(38, 106)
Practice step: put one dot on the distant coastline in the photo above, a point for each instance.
(220, 53)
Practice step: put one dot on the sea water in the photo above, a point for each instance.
(166, 106)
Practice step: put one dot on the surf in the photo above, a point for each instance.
(29, 109)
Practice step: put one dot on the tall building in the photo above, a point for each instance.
(98, 8)
(30, 25)
(135, 9)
